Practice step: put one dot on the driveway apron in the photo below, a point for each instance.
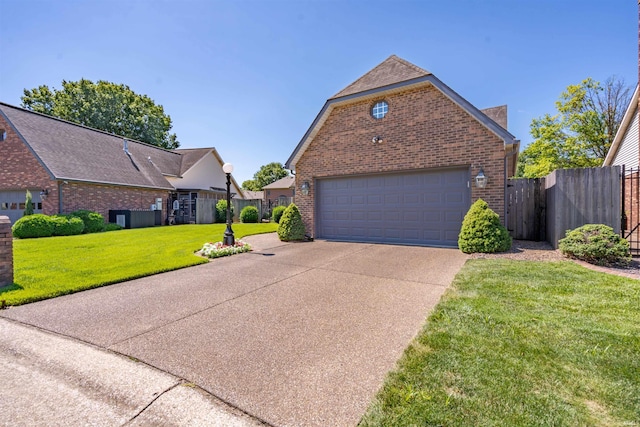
(297, 334)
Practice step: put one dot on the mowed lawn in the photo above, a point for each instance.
(518, 343)
(48, 267)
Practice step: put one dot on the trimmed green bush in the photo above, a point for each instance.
(482, 232)
(93, 221)
(31, 226)
(249, 214)
(64, 225)
(291, 226)
(112, 226)
(221, 211)
(277, 213)
(28, 204)
(596, 244)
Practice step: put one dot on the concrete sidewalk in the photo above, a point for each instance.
(291, 334)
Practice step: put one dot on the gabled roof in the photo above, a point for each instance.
(629, 114)
(286, 182)
(253, 195)
(393, 75)
(192, 156)
(73, 152)
(391, 70)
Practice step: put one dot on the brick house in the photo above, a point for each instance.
(279, 193)
(393, 158)
(69, 167)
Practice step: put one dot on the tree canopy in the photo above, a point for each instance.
(580, 134)
(110, 107)
(266, 175)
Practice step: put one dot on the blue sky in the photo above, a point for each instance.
(249, 77)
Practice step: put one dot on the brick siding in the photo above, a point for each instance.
(423, 129)
(6, 252)
(20, 169)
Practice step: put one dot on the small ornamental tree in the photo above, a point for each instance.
(28, 204)
(291, 226)
(482, 232)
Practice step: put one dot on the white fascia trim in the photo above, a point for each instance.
(629, 114)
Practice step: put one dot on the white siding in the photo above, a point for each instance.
(628, 153)
(204, 174)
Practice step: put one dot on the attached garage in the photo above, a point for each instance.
(12, 203)
(418, 208)
(394, 158)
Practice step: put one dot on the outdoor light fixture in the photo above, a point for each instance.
(229, 239)
(481, 179)
(377, 139)
(305, 188)
(44, 193)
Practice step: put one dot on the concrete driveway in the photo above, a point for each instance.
(298, 334)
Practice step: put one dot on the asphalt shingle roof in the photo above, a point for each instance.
(390, 71)
(76, 152)
(286, 182)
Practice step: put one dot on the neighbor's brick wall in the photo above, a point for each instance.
(6, 252)
(423, 129)
(102, 198)
(19, 169)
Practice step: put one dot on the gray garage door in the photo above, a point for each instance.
(12, 203)
(422, 208)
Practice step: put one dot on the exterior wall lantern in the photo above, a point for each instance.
(481, 179)
(44, 193)
(305, 188)
(229, 239)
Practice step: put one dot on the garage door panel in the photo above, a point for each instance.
(416, 208)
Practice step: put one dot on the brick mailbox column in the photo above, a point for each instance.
(6, 252)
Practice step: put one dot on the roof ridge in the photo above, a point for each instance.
(26, 110)
(384, 74)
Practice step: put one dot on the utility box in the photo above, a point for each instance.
(135, 219)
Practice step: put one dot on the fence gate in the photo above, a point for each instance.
(526, 209)
(630, 224)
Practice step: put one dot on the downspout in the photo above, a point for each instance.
(60, 197)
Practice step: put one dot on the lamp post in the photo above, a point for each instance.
(229, 239)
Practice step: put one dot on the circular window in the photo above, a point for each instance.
(380, 109)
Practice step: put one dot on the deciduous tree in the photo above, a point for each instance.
(266, 175)
(106, 106)
(580, 134)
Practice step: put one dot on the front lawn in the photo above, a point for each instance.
(521, 343)
(52, 266)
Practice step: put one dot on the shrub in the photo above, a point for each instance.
(249, 214)
(595, 244)
(112, 226)
(64, 225)
(266, 215)
(291, 226)
(36, 225)
(93, 221)
(221, 211)
(482, 232)
(28, 204)
(277, 213)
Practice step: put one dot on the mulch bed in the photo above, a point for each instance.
(542, 251)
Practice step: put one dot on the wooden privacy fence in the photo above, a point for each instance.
(526, 209)
(545, 208)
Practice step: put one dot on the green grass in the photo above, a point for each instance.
(517, 343)
(53, 266)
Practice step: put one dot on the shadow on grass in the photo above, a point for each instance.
(8, 288)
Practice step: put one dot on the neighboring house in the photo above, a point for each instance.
(392, 158)
(625, 150)
(279, 193)
(625, 147)
(69, 167)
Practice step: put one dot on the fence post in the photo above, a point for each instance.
(6, 252)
